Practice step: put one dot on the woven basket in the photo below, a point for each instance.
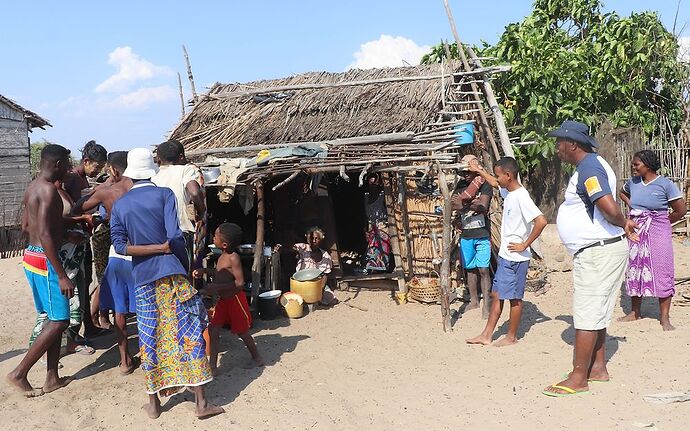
(425, 289)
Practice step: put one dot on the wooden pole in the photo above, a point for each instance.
(189, 72)
(402, 196)
(179, 83)
(393, 233)
(260, 233)
(447, 247)
(505, 140)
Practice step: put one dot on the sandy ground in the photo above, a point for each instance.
(379, 366)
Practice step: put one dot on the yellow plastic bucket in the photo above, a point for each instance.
(293, 305)
(311, 291)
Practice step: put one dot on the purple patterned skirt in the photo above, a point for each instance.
(650, 264)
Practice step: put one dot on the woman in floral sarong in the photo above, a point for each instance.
(650, 265)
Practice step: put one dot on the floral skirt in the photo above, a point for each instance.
(171, 320)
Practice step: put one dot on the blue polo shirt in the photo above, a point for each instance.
(148, 215)
(655, 195)
(579, 221)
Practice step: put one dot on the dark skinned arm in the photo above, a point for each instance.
(481, 204)
(232, 273)
(612, 212)
(479, 169)
(625, 197)
(197, 196)
(148, 250)
(679, 210)
(90, 203)
(49, 213)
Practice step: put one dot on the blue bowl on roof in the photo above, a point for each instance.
(464, 134)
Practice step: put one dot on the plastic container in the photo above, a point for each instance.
(464, 134)
(311, 291)
(293, 304)
(269, 304)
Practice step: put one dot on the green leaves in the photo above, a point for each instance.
(571, 61)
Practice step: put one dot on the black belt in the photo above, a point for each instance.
(600, 243)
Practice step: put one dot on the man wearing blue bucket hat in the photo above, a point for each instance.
(592, 228)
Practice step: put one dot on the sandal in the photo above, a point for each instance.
(83, 349)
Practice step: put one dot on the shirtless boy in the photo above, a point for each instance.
(232, 308)
(51, 288)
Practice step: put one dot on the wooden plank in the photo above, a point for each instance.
(260, 232)
(447, 247)
(402, 198)
(393, 233)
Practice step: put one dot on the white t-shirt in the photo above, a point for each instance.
(519, 212)
(176, 178)
(579, 221)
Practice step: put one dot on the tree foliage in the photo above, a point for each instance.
(572, 61)
(35, 155)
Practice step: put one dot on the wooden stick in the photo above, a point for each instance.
(179, 83)
(234, 94)
(189, 73)
(363, 174)
(402, 197)
(259, 250)
(287, 180)
(393, 233)
(445, 263)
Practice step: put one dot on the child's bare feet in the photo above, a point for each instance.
(23, 386)
(471, 306)
(479, 339)
(630, 317)
(55, 384)
(666, 325)
(505, 341)
(254, 363)
(208, 410)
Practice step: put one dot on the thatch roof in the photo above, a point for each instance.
(32, 118)
(234, 115)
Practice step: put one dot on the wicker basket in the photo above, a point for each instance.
(425, 289)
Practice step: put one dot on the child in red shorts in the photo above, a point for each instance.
(232, 307)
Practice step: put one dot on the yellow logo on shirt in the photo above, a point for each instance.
(592, 185)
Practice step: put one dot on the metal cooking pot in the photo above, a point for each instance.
(211, 174)
(246, 249)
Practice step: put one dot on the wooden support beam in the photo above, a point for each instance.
(402, 198)
(447, 247)
(189, 72)
(393, 233)
(260, 233)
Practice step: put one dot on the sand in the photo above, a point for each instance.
(378, 366)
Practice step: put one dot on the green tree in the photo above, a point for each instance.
(572, 61)
(35, 155)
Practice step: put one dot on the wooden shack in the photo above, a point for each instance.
(15, 124)
(400, 122)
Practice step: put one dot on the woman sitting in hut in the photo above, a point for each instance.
(312, 255)
(378, 256)
(650, 269)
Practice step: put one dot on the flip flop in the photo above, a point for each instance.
(568, 391)
(566, 375)
(83, 349)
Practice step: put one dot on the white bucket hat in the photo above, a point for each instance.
(140, 164)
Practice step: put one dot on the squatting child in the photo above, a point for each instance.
(232, 307)
(522, 224)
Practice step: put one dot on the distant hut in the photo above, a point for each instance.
(15, 124)
(405, 123)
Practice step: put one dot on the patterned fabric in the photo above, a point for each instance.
(171, 320)
(378, 250)
(72, 256)
(101, 247)
(306, 261)
(650, 268)
(470, 192)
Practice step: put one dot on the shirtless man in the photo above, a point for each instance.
(42, 221)
(117, 291)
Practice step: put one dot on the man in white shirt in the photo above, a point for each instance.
(183, 180)
(593, 229)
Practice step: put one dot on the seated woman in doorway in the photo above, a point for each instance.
(312, 255)
(378, 255)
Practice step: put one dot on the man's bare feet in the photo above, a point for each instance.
(54, 385)
(22, 385)
(479, 339)
(152, 410)
(630, 317)
(471, 306)
(208, 410)
(666, 325)
(504, 341)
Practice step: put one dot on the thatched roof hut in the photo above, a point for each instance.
(315, 107)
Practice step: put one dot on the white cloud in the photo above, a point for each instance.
(684, 49)
(145, 96)
(131, 68)
(388, 51)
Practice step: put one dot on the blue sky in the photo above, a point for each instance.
(108, 70)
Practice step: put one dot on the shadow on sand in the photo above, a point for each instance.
(568, 336)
